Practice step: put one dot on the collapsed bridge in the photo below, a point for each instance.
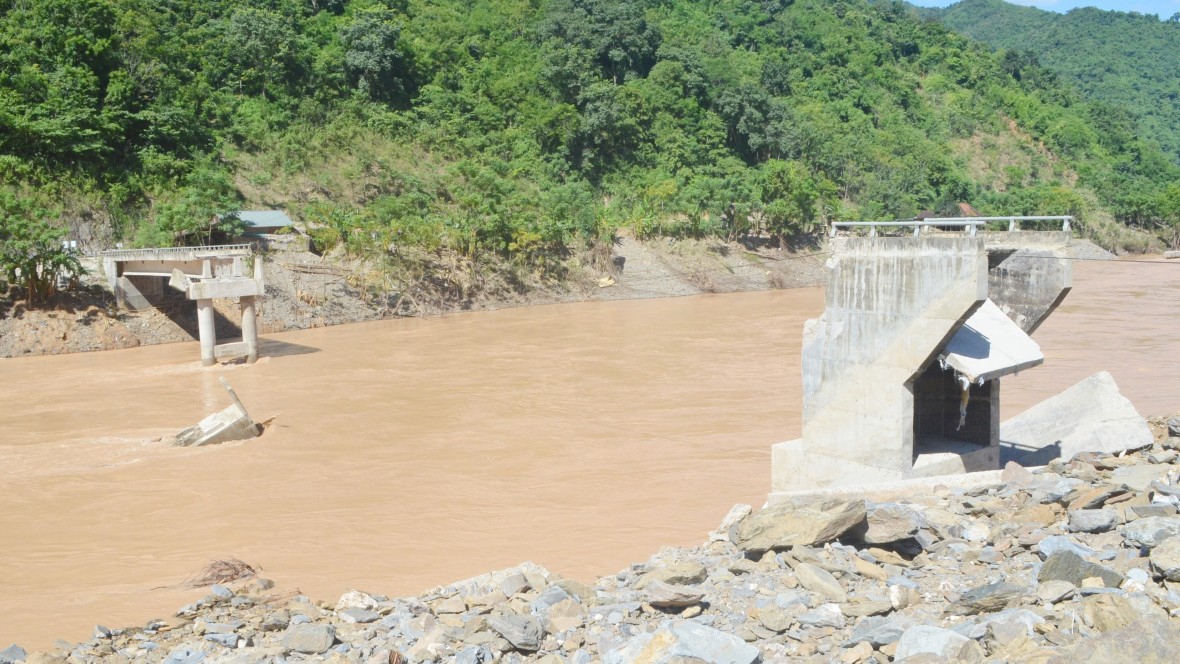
(201, 273)
(901, 373)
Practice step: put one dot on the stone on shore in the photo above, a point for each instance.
(797, 522)
(1068, 566)
(13, 654)
(523, 632)
(677, 641)
(309, 638)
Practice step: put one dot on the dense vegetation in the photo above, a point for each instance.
(1124, 59)
(519, 129)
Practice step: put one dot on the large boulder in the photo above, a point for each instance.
(797, 522)
(1091, 416)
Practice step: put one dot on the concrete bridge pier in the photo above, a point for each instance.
(207, 331)
(202, 274)
(249, 328)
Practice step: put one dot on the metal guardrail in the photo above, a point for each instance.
(174, 253)
(971, 224)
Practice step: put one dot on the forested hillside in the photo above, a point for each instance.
(520, 129)
(1125, 59)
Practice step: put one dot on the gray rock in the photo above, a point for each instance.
(682, 573)
(988, 598)
(736, 513)
(1165, 558)
(1068, 566)
(879, 631)
(227, 640)
(309, 638)
(13, 654)
(550, 596)
(221, 591)
(185, 655)
(1055, 543)
(1152, 530)
(923, 639)
(360, 616)
(667, 596)
(513, 584)
(824, 615)
(1051, 592)
(1174, 427)
(889, 522)
(1137, 477)
(800, 522)
(274, 622)
(474, 655)
(681, 641)
(820, 581)
(523, 632)
(1092, 521)
(1150, 640)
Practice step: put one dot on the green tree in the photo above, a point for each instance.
(32, 258)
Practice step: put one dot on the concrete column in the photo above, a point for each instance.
(249, 328)
(207, 330)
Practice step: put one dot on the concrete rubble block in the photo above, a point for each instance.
(797, 522)
(683, 641)
(1091, 416)
(233, 423)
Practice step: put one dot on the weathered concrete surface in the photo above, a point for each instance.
(233, 423)
(1091, 416)
(990, 345)
(1028, 283)
(891, 305)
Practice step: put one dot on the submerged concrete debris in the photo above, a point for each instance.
(233, 423)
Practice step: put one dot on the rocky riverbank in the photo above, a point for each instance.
(1078, 561)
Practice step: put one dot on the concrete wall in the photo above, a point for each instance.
(891, 305)
(1028, 284)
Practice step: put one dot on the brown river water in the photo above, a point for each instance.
(410, 453)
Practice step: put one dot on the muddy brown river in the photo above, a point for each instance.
(411, 453)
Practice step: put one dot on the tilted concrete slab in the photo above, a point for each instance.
(1091, 416)
(990, 345)
(1028, 283)
(231, 287)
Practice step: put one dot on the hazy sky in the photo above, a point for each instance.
(1164, 8)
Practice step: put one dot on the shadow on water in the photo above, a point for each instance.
(276, 348)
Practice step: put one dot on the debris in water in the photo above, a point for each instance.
(233, 423)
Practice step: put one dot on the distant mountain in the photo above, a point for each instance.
(1125, 59)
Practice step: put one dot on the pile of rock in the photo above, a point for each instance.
(1079, 561)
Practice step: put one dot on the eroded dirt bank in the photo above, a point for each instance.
(305, 291)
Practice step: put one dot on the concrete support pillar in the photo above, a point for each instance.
(249, 328)
(207, 330)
